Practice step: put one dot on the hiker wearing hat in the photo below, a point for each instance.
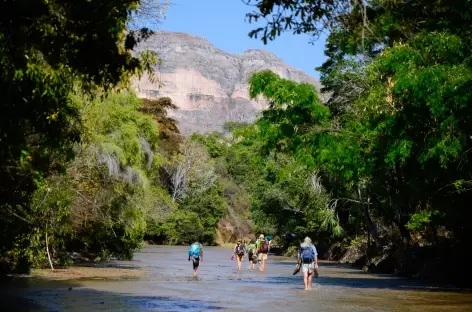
(262, 249)
(308, 257)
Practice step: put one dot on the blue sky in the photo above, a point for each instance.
(223, 23)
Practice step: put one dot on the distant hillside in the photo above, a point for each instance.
(210, 86)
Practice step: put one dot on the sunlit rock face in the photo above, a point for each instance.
(209, 86)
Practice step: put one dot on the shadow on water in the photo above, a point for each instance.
(365, 283)
(18, 304)
(284, 264)
(322, 263)
(347, 275)
(336, 265)
(168, 303)
(68, 295)
(110, 264)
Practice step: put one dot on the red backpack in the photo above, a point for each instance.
(264, 248)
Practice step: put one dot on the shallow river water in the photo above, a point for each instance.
(168, 285)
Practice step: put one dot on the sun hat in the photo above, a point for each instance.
(261, 236)
(307, 240)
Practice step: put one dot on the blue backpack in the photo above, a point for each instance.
(307, 254)
(194, 250)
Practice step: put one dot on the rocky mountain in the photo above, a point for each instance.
(210, 86)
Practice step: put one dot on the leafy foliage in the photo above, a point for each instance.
(103, 203)
(395, 146)
(284, 195)
(45, 56)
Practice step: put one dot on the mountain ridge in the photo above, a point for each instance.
(209, 85)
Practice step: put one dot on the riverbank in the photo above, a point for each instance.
(87, 272)
(436, 264)
(96, 270)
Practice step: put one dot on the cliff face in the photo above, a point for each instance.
(208, 85)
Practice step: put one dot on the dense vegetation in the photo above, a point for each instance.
(45, 58)
(86, 168)
(393, 141)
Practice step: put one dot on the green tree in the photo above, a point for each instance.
(103, 204)
(399, 78)
(45, 54)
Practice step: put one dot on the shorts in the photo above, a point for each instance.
(240, 257)
(308, 267)
(196, 263)
(262, 256)
(251, 256)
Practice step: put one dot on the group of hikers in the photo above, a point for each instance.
(257, 253)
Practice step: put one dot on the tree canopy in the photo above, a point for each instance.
(394, 132)
(49, 50)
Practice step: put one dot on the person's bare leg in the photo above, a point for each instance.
(310, 278)
(240, 262)
(195, 269)
(262, 265)
(305, 279)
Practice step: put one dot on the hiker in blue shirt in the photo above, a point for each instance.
(308, 257)
(195, 253)
(269, 238)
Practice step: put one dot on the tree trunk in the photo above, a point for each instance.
(404, 232)
(434, 233)
(403, 211)
(47, 250)
(370, 224)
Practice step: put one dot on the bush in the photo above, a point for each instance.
(183, 227)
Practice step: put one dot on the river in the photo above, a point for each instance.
(168, 285)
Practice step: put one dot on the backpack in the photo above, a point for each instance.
(240, 249)
(251, 247)
(194, 250)
(307, 254)
(264, 247)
